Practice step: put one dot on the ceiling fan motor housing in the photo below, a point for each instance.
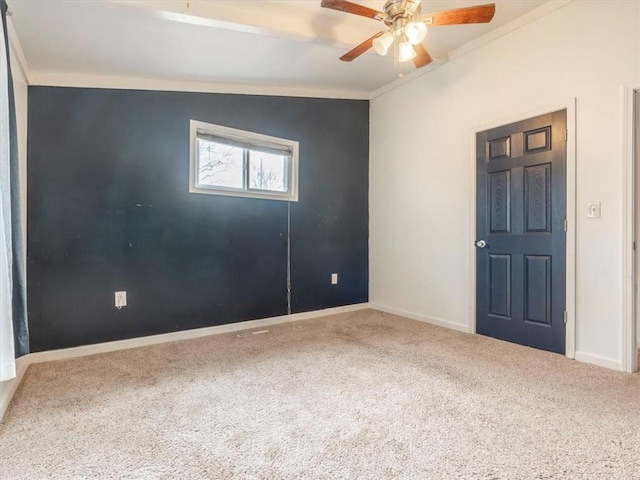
(397, 16)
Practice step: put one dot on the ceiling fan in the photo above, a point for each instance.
(407, 27)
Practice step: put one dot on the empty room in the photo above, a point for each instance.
(319, 239)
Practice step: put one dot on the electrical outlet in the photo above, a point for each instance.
(121, 299)
(334, 279)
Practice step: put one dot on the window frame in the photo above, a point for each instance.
(248, 140)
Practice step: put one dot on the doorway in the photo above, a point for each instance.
(521, 225)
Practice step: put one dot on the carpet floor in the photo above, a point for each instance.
(362, 395)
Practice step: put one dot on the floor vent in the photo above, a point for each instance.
(248, 334)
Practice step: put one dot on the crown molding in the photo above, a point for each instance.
(398, 82)
(81, 80)
(60, 79)
(527, 18)
(14, 44)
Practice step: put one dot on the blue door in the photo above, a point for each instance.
(521, 232)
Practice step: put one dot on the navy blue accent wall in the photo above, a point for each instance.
(109, 209)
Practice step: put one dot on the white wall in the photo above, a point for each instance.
(422, 167)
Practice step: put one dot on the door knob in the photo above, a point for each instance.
(480, 243)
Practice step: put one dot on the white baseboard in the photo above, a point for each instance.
(84, 350)
(421, 318)
(599, 360)
(8, 389)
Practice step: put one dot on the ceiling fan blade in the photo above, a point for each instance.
(350, 7)
(360, 49)
(422, 58)
(459, 16)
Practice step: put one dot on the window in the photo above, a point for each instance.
(227, 161)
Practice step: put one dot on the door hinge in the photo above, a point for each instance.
(566, 135)
(565, 316)
(566, 224)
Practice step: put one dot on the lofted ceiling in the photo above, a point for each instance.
(273, 44)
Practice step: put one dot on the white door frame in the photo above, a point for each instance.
(570, 106)
(630, 190)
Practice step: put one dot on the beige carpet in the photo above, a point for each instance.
(363, 395)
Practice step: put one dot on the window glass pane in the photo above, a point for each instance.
(219, 165)
(228, 161)
(267, 171)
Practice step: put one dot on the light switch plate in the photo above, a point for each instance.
(593, 210)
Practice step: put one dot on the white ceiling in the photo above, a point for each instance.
(284, 44)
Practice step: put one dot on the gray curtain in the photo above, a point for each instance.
(19, 300)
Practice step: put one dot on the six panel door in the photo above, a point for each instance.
(521, 212)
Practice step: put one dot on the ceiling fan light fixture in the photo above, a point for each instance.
(415, 32)
(407, 28)
(382, 43)
(405, 50)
